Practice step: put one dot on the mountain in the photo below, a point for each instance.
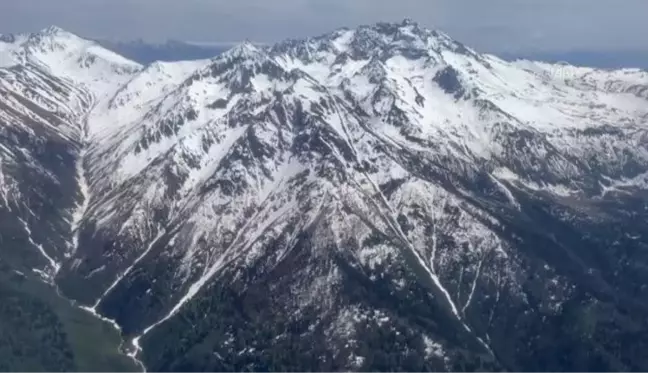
(613, 59)
(172, 50)
(48, 81)
(378, 198)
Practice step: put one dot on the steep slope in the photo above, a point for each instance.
(41, 131)
(382, 198)
(65, 55)
(50, 83)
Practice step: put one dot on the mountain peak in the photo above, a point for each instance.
(408, 22)
(382, 39)
(48, 32)
(8, 38)
(55, 33)
(243, 50)
(53, 30)
(53, 36)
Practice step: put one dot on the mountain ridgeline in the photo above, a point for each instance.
(374, 199)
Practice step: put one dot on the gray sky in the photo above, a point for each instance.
(491, 25)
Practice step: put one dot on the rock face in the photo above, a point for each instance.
(382, 198)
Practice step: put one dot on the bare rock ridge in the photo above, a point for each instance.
(378, 198)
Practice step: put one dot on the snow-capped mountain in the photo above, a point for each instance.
(379, 198)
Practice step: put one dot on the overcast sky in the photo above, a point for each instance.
(492, 25)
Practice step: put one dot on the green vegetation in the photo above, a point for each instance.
(40, 331)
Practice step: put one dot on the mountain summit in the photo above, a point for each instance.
(378, 198)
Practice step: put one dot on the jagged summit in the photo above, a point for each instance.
(65, 54)
(382, 40)
(47, 31)
(54, 30)
(51, 35)
(244, 50)
(408, 22)
(54, 40)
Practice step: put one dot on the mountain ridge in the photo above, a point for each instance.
(386, 151)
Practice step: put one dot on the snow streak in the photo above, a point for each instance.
(53, 264)
(130, 268)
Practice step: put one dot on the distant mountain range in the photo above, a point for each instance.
(173, 50)
(601, 59)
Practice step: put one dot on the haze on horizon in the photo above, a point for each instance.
(493, 25)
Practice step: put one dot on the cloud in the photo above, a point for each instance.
(494, 25)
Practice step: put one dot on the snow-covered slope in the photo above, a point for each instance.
(385, 177)
(67, 56)
(50, 81)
